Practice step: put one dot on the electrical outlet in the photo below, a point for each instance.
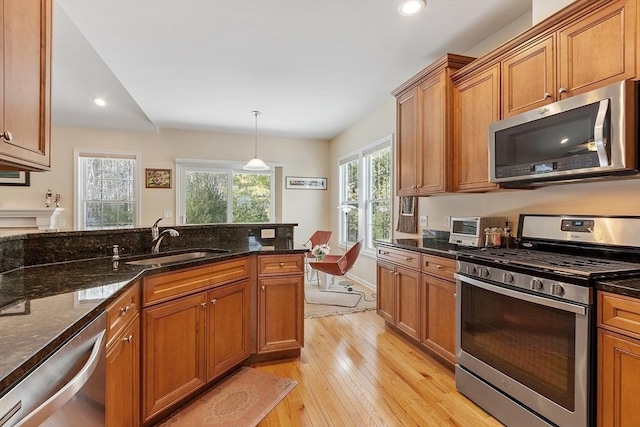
(423, 221)
(268, 233)
(167, 214)
(447, 221)
(62, 223)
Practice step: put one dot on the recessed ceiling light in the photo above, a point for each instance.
(99, 102)
(564, 140)
(411, 7)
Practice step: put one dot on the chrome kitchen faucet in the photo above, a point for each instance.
(157, 236)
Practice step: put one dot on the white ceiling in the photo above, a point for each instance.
(313, 67)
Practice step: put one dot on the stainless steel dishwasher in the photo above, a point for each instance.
(67, 389)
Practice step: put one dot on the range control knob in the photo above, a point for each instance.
(472, 269)
(537, 285)
(508, 278)
(557, 290)
(483, 272)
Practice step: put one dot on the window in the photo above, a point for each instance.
(365, 195)
(213, 193)
(106, 190)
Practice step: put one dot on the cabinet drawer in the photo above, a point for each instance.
(402, 257)
(439, 266)
(619, 313)
(280, 264)
(163, 287)
(122, 310)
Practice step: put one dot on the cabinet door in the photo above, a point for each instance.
(174, 352)
(228, 327)
(439, 317)
(408, 301)
(599, 49)
(618, 379)
(386, 292)
(436, 136)
(280, 313)
(123, 377)
(25, 97)
(408, 148)
(476, 105)
(528, 78)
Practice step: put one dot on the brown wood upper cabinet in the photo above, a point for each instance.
(424, 129)
(591, 51)
(476, 103)
(25, 76)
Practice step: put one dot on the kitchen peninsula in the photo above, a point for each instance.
(56, 283)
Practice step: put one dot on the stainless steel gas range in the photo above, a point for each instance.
(525, 331)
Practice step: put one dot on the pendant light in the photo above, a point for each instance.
(256, 164)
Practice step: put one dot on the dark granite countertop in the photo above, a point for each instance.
(42, 306)
(629, 286)
(428, 246)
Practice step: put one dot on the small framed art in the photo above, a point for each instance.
(157, 178)
(306, 183)
(14, 178)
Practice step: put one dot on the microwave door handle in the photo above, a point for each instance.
(598, 133)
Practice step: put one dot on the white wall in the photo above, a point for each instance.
(541, 9)
(298, 157)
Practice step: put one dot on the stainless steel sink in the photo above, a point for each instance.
(181, 257)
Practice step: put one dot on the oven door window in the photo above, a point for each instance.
(533, 344)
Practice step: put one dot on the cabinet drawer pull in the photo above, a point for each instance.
(8, 136)
(124, 310)
(281, 264)
(214, 301)
(263, 288)
(408, 258)
(383, 252)
(391, 272)
(547, 95)
(439, 267)
(128, 339)
(203, 304)
(562, 90)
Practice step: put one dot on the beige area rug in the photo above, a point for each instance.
(242, 400)
(321, 304)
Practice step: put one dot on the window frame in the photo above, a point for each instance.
(364, 189)
(231, 168)
(78, 221)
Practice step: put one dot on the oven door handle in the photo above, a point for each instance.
(44, 411)
(548, 302)
(598, 133)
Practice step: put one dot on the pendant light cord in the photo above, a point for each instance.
(256, 113)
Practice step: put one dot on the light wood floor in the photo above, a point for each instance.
(355, 372)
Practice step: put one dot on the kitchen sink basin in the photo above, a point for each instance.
(181, 257)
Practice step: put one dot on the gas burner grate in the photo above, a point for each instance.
(562, 263)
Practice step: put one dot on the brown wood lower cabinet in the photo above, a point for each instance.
(174, 352)
(439, 318)
(191, 341)
(618, 360)
(280, 314)
(398, 297)
(228, 327)
(416, 295)
(123, 378)
(122, 385)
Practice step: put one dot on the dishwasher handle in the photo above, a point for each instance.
(46, 409)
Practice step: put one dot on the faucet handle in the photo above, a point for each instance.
(155, 224)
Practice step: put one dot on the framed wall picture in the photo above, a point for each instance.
(305, 183)
(157, 178)
(14, 178)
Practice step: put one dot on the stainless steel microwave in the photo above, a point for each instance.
(588, 135)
